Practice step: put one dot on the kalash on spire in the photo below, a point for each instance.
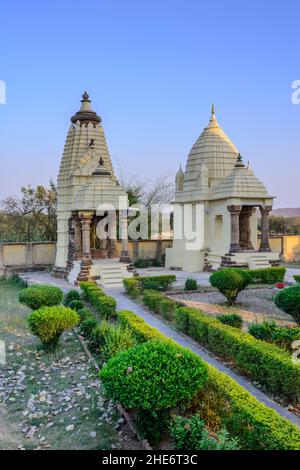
(86, 182)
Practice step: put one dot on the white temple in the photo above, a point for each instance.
(216, 177)
(86, 181)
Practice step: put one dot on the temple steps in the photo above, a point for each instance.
(112, 275)
(258, 260)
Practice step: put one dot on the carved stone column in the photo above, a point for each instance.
(235, 228)
(265, 245)
(124, 258)
(77, 239)
(85, 221)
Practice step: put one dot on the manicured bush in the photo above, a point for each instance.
(76, 305)
(190, 284)
(70, 296)
(297, 277)
(132, 287)
(190, 433)
(230, 281)
(48, 323)
(273, 333)
(87, 327)
(161, 283)
(159, 303)
(84, 314)
(266, 363)
(41, 295)
(153, 376)
(232, 319)
(266, 275)
(226, 402)
(288, 300)
(104, 304)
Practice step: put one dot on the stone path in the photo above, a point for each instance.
(124, 303)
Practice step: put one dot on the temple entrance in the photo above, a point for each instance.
(101, 249)
(245, 228)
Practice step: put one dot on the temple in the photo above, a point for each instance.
(87, 193)
(217, 178)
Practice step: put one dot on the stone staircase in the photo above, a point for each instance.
(258, 260)
(112, 274)
(75, 271)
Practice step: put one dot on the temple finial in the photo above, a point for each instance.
(239, 161)
(85, 96)
(212, 110)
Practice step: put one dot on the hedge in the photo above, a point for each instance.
(255, 425)
(267, 363)
(297, 277)
(159, 303)
(134, 286)
(104, 304)
(266, 275)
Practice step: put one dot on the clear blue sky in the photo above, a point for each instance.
(153, 69)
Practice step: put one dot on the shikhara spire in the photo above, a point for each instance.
(86, 113)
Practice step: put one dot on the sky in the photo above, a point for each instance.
(153, 70)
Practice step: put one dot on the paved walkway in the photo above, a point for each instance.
(124, 303)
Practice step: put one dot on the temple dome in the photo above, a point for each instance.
(240, 183)
(215, 150)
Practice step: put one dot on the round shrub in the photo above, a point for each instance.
(76, 305)
(70, 296)
(190, 284)
(153, 376)
(48, 323)
(288, 300)
(263, 331)
(84, 314)
(231, 319)
(230, 281)
(41, 295)
(87, 327)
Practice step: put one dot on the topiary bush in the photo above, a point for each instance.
(48, 323)
(76, 305)
(288, 300)
(190, 284)
(153, 376)
(232, 319)
(42, 295)
(230, 281)
(190, 433)
(70, 296)
(161, 283)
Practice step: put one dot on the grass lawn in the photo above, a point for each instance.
(51, 401)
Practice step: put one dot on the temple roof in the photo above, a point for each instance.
(86, 114)
(240, 183)
(215, 150)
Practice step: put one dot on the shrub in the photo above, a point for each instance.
(162, 283)
(230, 405)
(116, 340)
(70, 296)
(84, 314)
(190, 284)
(273, 333)
(132, 287)
(41, 295)
(104, 304)
(48, 323)
(266, 363)
(191, 434)
(159, 303)
(230, 281)
(297, 277)
(153, 376)
(96, 336)
(76, 305)
(87, 327)
(288, 300)
(266, 275)
(142, 263)
(232, 319)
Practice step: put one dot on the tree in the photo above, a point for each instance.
(32, 217)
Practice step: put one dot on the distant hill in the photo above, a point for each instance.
(286, 212)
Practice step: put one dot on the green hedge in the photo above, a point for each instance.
(41, 295)
(267, 363)
(266, 275)
(297, 277)
(134, 286)
(104, 304)
(255, 425)
(159, 303)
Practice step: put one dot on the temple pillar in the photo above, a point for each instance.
(124, 258)
(235, 228)
(245, 228)
(265, 245)
(85, 220)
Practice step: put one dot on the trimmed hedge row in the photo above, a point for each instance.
(255, 425)
(266, 275)
(134, 286)
(159, 303)
(267, 363)
(104, 304)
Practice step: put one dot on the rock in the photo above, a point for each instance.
(93, 434)
(70, 427)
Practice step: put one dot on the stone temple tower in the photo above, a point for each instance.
(86, 181)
